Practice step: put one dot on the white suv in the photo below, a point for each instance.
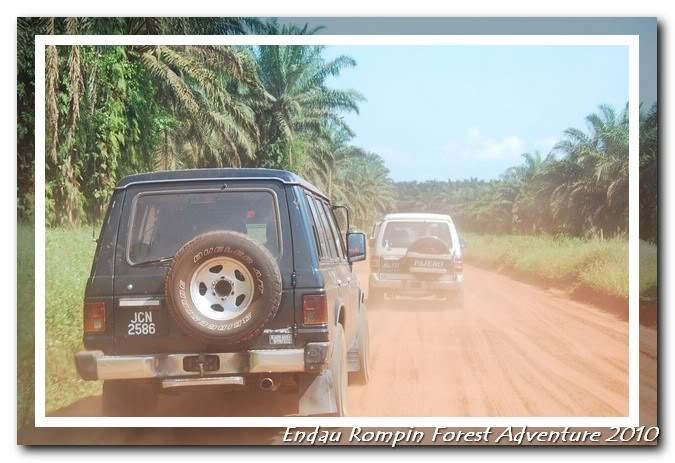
(416, 255)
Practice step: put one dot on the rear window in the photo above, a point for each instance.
(403, 234)
(163, 222)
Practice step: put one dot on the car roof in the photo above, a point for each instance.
(228, 173)
(416, 216)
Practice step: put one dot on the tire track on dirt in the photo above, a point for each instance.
(514, 350)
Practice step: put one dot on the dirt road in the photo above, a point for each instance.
(514, 350)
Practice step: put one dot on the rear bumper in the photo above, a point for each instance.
(95, 365)
(404, 285)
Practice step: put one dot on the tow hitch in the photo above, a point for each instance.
(201, 363)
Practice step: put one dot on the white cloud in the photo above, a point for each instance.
(477, 146)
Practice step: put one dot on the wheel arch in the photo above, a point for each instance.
(341, 315)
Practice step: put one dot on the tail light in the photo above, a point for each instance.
(94, 317)
(459, 264)
(314, 309)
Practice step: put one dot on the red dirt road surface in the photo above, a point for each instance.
(513, 350)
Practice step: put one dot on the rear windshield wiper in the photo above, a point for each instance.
(160, 260)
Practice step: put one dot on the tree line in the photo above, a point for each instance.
(118, 110)
(580, 188)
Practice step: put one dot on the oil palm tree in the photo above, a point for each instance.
(325, 155)
(602, 153)
(302, 104)
(529, 213)
(211, 125)
(191, 78)
(649, 174)
(362, 183)
(216, 127)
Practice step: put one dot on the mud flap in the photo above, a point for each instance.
(317, 394)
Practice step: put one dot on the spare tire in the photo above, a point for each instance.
(223, 287)
(428, 258)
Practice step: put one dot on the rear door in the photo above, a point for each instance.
(350, 283)
(397, 238)
(159, 219)
(329, 263)
(392, 244)
(343, 270)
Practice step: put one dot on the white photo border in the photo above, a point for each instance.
(631, 41)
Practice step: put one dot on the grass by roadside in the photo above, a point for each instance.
(69, 257)
(600, 265)
(68, 260)
(25, 300)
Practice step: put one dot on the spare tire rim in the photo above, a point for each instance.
(221, 288)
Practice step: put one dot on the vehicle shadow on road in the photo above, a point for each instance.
(211, 403)
(203, 402)
(43, 436)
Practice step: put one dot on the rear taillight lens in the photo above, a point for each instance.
(459, 265)
(94, 317)
(314, 309)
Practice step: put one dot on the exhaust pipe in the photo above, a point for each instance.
(268, 384)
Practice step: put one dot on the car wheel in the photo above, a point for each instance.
(223, 288)
(130, 397)
(362, 375)
(338, 368)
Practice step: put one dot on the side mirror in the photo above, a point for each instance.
(462, 243)
(356, 247)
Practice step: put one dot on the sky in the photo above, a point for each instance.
(454, 112)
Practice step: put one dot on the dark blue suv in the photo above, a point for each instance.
(224, 277)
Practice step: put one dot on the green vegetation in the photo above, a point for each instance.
(68, 260)
(648, 271)
(25, 301)
(118, 110)
(579, 189)
(601, 265)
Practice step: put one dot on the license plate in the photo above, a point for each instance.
(416, 284)
(283, 338)
(142, 322)
(390, 265)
